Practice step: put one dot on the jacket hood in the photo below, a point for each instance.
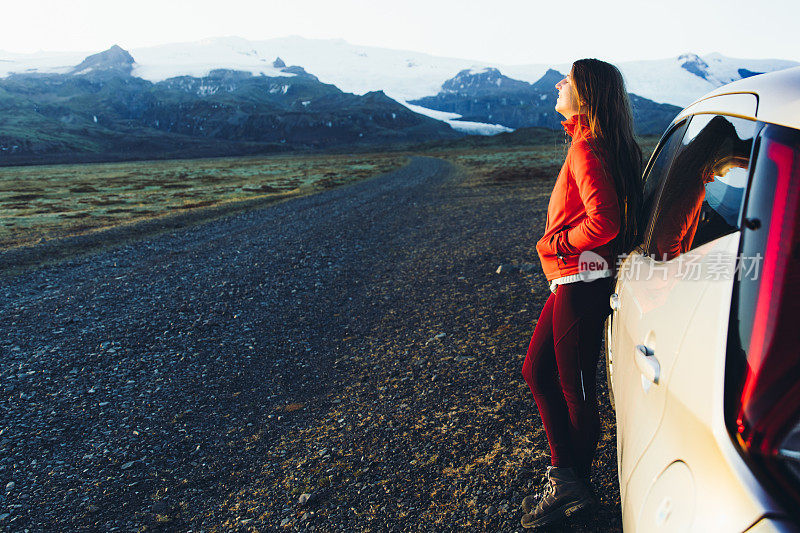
(576, 123)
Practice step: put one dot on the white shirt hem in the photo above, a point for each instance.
(586, 275)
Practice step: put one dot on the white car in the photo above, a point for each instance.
(703, 342)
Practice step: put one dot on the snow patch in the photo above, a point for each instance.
(207, 90)
(482, 70)
(477, 128)
(438, 115)
(472, 128)
(274, 89)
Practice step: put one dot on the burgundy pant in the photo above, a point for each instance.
(560, 369)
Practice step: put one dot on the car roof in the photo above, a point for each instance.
(772, 97)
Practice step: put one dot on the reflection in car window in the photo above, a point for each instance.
(703, 193)
(657, 173)
(724, 194)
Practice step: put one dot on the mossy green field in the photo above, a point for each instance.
(53, 201)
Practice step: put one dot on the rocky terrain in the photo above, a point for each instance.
(345, 361)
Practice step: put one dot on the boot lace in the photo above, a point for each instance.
(547, 494)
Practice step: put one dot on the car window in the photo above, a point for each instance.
(703, 194)
(656, 174)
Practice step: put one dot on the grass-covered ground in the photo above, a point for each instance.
(496, 165)
(52, 201)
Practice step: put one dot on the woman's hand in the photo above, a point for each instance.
(560, 244)
(557, 245)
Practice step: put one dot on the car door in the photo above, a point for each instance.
(690, 246)
(625, 311)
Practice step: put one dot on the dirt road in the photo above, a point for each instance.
(356, 345)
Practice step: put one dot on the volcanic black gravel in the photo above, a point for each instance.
(353, 350)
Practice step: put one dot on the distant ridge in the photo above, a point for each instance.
(98, 108)
(230, 95)
(401, 74)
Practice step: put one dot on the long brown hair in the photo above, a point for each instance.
(602, 96)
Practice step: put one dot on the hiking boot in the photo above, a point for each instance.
(565, 495)
(529, 501)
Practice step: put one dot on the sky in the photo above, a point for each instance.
(500, 31)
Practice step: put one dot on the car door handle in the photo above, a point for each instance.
(614, 302)
(647, 363)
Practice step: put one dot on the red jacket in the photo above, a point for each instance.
(583, 213)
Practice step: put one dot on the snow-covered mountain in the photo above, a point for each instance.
(98, 110)
(403, 75)
(488, 96)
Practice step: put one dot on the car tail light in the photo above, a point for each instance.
(763, 366)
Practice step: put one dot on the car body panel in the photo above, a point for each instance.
(732, 104)
(655, 313)
(782, 105)
(692, 429)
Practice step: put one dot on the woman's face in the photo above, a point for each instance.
(567, 103)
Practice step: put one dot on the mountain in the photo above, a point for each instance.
(229, 95)
(485, 80)
(402, 75)
(678, 80)
(113, 60)
(486, 95)
(693, 64)
(99, 107)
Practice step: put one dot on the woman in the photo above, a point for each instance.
(595, 206)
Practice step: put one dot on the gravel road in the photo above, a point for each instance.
(354, 349)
